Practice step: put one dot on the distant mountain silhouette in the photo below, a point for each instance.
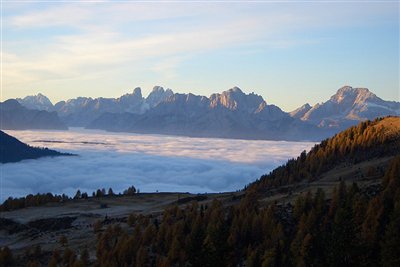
(13, 150)
(39, 102)
(230, 114)
(14, 116)
(347, 107)
(83, 110)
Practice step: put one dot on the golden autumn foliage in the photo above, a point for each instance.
(367, 140)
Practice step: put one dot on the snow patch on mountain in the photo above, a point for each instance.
(38, 102)
(348, 104)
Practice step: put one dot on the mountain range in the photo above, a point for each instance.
(14, 116)
(230, 114)
(346, 107)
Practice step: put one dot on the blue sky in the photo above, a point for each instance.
(290, 53)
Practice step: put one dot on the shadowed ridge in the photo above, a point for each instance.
(13, 150)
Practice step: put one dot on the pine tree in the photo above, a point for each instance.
(174, 251)
(78, 194)
(63, 240)
(391, 241)
(110, 192)
(84, 257)
(6, 257)
(141, 256)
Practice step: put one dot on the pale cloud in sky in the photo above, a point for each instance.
(92, 46)
(96, 48)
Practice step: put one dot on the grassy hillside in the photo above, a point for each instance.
(366, 141)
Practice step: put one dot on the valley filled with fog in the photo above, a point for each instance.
(149, 162)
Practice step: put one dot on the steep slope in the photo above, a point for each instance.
(347, 107)
(14, 116)
(13, 150)
(38, 102)
(351, 228)
(234, 114)
(231, 114)
(235, 100)
(366, 141)
(301, 111)
(347, 224)
(158, 95)
(82, 110)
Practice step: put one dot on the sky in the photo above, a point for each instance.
(286, 51)
(149, 162)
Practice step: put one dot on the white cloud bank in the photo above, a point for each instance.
(150, 162)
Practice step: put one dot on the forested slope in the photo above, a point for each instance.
(350, 227)
(366, 141)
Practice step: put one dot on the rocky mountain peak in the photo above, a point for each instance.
(131, 99)
(157, 88)
(137, 92)
(350, 94)
(236, 99)
(157, 95)
(41, 96)
(235, 89)
(347, 106)
(301, 111)
(39, 102)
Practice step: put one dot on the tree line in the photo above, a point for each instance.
(351, 229)
(367, 140)
(42, 199)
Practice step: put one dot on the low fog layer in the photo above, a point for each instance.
(149, 162)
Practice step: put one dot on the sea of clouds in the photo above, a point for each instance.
(149, 162)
